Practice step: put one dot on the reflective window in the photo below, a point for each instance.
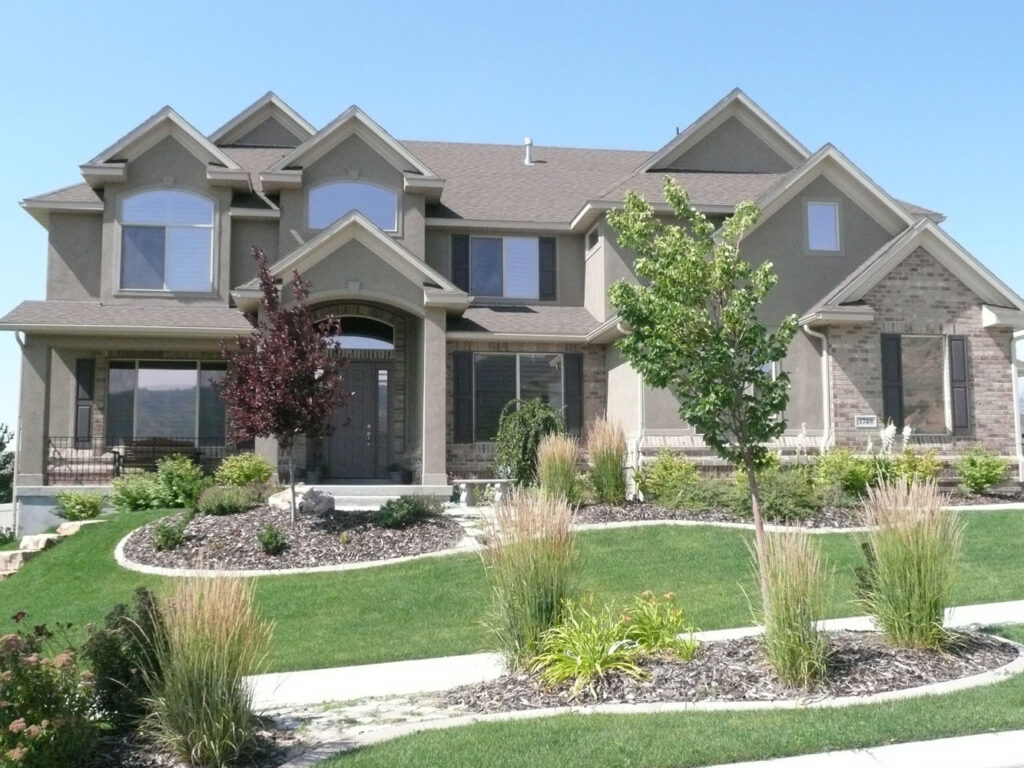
(501, 378)
(167, 242)
(823, 226)
(505, 266)
(330, 202)
(924, 383)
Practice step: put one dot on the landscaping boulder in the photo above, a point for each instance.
(72, 527)
(38, 542)
(308, 501)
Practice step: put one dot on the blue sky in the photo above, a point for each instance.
(925, 97)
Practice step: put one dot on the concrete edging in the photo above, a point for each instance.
(388, 733)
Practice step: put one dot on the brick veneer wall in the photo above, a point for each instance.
(920, 296)
(477, 459)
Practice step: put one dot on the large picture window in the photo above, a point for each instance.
(330, 202)
(500, 378)
(165, 399)
(167, 242)
(505, 266)
(925, 383)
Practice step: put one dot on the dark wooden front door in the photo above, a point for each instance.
(359, 447)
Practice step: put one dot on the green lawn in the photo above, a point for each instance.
(700, 738)
(433, 607)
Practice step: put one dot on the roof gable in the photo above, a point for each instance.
(353, 121)
(166, 122)
(738, 115)
(267, 122)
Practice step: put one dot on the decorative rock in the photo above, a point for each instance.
(308, 501)
(38, 542)
(13, 559)
(72, 527)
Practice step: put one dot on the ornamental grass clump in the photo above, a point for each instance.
(606, 444)
(211, 639)
(913, 550)
(556, 468)
(793, 603)
(529, 560)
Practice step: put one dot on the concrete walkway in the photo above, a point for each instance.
(402, 678)
(987, 750)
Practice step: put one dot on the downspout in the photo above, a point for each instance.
(19, 337)
(1015, 339)
(826, 388)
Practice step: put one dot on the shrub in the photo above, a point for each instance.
(45, 718)
(666, 478)
(226, 500)
(271, 540)
(787, 495)
(136, 492)
(913, 551)
(656, 624)
(211, 639)
(122, 655)
(243, 469)
(839, 468)
(584, 646)
(406, 510)
(522, 425)
(529, 561)
(606, 444)
(168, 534)
(6, 536)
(79, 505)
(914, 466)
(979, 469)
(556, 468)
(181, 479)
(795, 600)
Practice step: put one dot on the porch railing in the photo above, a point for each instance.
(97, 461)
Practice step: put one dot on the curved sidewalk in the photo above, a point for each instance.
(400, 678)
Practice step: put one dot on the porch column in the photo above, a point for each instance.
(33, 413)
(433, 398)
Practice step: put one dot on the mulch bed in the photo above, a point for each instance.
(229, 542)
(990, 497)
(133, 749)
(860, 663)
(632, 511)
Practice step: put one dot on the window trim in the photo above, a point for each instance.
(195, 437)
(214, 228)
(503, 296)
(399, 205)
(837, 205)
(561, 369)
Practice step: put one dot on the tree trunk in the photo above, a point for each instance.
(291, 477)
(755, 506)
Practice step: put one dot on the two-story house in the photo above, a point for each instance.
(467, 275)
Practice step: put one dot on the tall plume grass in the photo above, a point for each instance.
(556, 468)
(913, 551)
(529, 560)
(211, 639)
(606, 444)
(794, 601)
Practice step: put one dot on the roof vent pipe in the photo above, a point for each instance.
(528, 143)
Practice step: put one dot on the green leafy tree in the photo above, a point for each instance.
(695, 329)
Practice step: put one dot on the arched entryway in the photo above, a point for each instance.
(369, 436)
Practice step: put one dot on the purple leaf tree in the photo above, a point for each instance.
(284, 379)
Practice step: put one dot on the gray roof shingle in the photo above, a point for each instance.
(540, 320)
(55, 316)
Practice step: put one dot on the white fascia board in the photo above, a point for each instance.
(498, 224)
(98, 174)
(31, 205)
(568, 338)
(274, 180)
(1001, 317)
(838, 316)
(224, 177)
(121, 330)
(254, 213)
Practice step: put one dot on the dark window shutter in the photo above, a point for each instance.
(85, 379)
(548, 278)
(892, 380)
(958, 384)
(462, 386)
(460, 261)
(573, 372)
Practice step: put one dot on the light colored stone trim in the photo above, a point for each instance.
(388, 733)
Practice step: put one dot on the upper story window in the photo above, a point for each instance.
(329, 202)
(593, 238)
(167, 242)
(822, 226)
(505, 267)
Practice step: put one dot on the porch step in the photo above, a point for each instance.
(359, 497)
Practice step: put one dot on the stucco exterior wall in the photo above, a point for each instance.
(624, 393)
(920, 296)
(74, 261)
(269, 133)
(731, 147)
(246, 233)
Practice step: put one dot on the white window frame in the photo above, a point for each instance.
(504, 266)
(516, 355)
(834, 204)
(360, 182)
(135, 392)
(119, 250)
